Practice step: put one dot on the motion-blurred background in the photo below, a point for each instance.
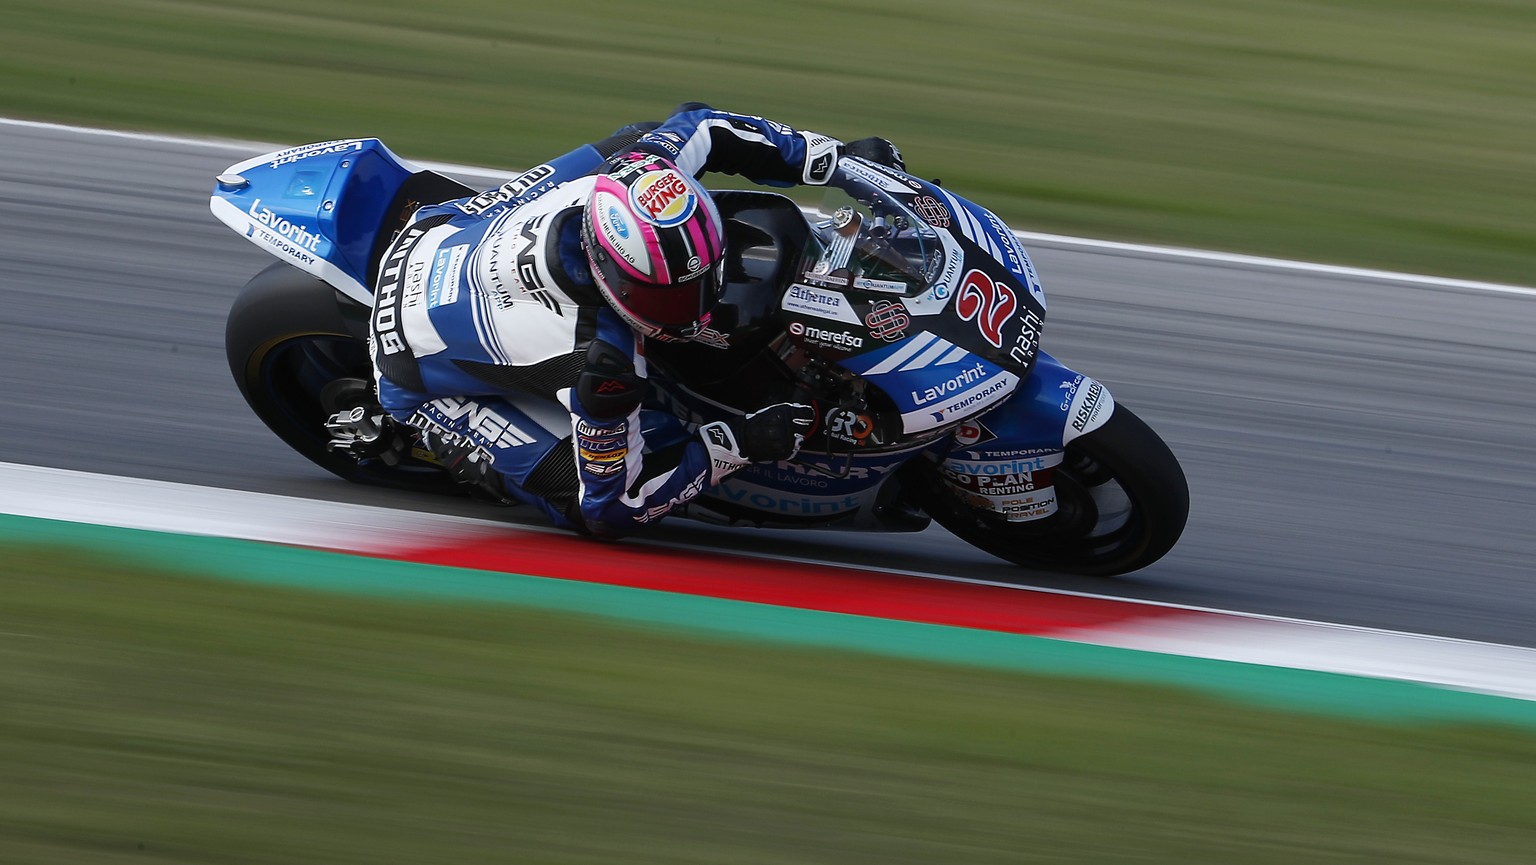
(1388, 133)
(147, 715)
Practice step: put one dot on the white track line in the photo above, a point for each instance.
(1035, 237)
(158, 506)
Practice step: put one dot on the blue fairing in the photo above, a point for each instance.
(1052, 406)
(933, 381)
(321, 207)
(318, 207)
(988, 231)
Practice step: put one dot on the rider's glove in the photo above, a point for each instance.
(774, 433)
(877, 150)
(767, 435)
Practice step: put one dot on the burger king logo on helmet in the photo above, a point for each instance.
(663, 198)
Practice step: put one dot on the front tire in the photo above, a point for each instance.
(1122, 505)
(292, 343)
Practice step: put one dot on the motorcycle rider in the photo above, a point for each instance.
(510, 327)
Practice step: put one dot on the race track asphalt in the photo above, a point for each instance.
(1359, 450)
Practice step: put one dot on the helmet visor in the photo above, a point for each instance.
(678, 309)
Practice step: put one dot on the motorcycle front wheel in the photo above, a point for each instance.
(1122, 502)
(298, 351)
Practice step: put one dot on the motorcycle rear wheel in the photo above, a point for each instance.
(292, 343)
(1122, 500)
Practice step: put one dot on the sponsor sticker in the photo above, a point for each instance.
(1091, 406)
(788, 502)
(955, 384)
(414, 292)
(294, 154)
(973, 433)
(835, 339)
(601, 451)
(483, 422)
(848, 426)
(443, 289)
(288, 230)
(694, 487)
(663, 198)
(889, 286)
(616, 222)
(532, 179)
(1026, 345)
(872, 176)
(932, 210)
(620, 238)
(388, 337)
(1020, 489)
(942, 403)
(820, 303)
(887, 320)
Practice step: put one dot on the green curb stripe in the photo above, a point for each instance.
(252, 562)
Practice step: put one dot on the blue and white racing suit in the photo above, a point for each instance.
(489, 334)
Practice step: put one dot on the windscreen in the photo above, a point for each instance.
(865, 238)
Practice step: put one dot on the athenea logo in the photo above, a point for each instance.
(663, 197)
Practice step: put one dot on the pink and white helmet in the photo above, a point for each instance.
(656, 245)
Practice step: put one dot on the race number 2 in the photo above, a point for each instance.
(990, 304)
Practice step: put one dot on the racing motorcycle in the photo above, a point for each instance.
(907, 315)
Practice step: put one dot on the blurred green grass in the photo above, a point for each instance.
(155, 719)
(1386, 133)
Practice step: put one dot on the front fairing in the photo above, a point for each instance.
(926, 296)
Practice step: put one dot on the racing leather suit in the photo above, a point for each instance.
(489, 334)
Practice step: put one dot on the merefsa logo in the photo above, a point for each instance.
(834, 338)
(664, 198)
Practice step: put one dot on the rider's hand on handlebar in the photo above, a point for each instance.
(774, 433)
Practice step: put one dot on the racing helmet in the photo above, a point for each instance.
(656, 244)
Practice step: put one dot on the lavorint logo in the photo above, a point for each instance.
(292, 231)
(954, 385)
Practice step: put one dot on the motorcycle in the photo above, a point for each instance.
(908, 316)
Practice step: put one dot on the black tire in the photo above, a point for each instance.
(288, 337)
(1122, 504)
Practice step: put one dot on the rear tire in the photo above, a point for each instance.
(1122, 504)
(289, 339)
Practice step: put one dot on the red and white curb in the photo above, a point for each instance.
(79, 497)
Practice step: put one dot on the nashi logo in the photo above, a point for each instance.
(663, 197)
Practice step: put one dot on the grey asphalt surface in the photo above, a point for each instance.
(1358, 451)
